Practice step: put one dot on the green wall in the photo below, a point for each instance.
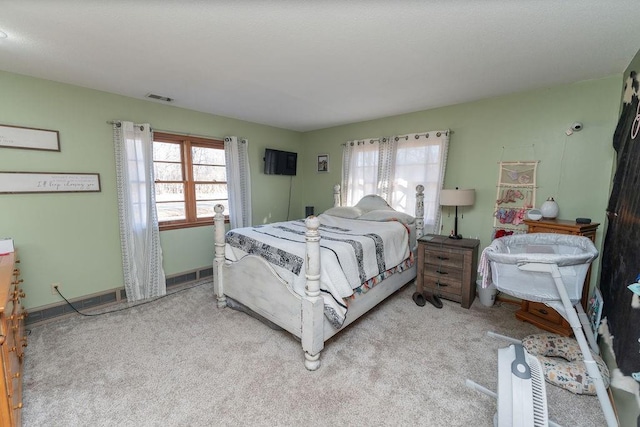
(575, 170)
(73, 238)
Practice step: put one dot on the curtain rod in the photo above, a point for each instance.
(117, 123)
(372, 140)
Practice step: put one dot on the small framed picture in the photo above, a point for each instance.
(323, 163)
(594, 310)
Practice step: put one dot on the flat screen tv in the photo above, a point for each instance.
(277, 162)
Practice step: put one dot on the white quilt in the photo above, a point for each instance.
(352, 251)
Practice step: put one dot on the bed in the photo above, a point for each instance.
(286, 272)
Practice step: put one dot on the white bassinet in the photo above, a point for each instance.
(550, 268)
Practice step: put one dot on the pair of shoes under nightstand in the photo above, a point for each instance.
(421, 299)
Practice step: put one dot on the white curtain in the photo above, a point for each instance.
(393, 167)
(238, 181)
(139, 234)
(359, 170)
(419, 158)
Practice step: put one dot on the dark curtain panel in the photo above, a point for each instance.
(621, 253)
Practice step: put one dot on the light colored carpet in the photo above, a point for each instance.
(181, 361)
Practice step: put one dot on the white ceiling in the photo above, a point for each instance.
(305, 65)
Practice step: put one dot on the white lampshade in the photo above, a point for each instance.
(457, 197)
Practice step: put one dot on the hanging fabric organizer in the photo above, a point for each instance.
(515, 195)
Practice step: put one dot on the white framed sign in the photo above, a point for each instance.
(29, 138)
(48, 182)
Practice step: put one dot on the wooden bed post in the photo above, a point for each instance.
(336, 195)
(218, 261)
(312, 305)
(419, 211)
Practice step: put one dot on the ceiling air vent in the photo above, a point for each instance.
(159, 97)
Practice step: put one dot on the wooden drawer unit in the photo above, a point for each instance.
(447, 268)
(12, 341)
(543, 317)
(537, 313)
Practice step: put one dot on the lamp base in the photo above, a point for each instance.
(455, 236)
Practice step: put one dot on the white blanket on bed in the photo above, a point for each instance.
(352, 251)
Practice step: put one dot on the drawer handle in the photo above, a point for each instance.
(441, 284)
(443, 258)
(543, 311)
(18, 407)
(441, 272)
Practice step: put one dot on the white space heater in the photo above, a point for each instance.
(522, 396)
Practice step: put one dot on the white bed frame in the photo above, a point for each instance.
(254, 283)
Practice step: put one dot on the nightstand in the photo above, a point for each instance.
(538, 313)
(447, 267)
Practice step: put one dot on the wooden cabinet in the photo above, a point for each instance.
(538, 313)
(447, 267)
(12, 340)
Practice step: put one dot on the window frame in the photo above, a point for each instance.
(186, 142)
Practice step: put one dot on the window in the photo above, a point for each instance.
(190, 179)
(393, 167)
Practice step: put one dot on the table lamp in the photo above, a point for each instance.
(457, 198)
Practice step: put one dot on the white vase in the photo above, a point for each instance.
(549, 209)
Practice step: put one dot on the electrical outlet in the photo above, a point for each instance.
(53, 288)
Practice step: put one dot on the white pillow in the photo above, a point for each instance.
(349, 212)
(387, 215)
(373, 202)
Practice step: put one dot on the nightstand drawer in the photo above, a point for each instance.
(444, 257)
(443, 273)
(435, 283)
(544, 312)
